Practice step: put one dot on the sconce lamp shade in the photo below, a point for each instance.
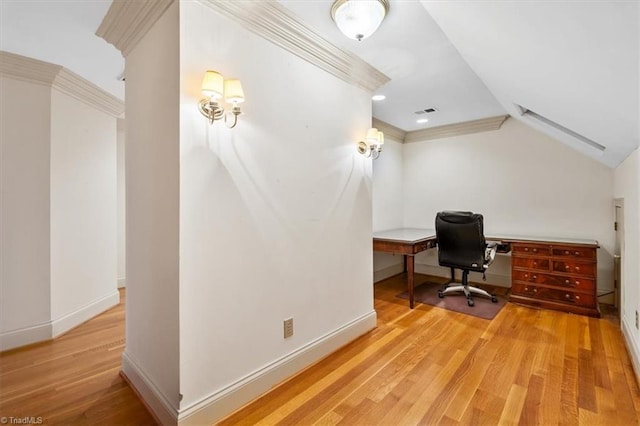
(374, 137)
(212, 84)
(233, 92)
(358, 19)
(371, 146)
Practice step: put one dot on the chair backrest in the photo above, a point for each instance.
(461, 242)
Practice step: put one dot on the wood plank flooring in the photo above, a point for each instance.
(421, 366)
(433, 366)
(74, 379)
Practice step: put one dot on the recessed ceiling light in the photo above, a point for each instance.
(422, 120)
(378, 97)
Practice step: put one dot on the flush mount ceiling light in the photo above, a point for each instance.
(378, 97)
(358, 19)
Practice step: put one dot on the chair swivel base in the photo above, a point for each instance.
(468, 291)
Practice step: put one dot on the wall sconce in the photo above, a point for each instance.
(371, 146)
(213, 87)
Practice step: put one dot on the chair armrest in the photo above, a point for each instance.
(490, 253)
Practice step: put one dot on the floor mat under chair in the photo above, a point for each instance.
(427, 293)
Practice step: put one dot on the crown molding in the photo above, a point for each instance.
(275, 23)
(126, 22)
(457, 129)
(389, 131)
(77, 87)
(27, 69)
(34, 71)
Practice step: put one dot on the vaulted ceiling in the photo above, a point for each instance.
(569, 69)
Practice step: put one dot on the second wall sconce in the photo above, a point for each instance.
(214, 87)
(371, 146)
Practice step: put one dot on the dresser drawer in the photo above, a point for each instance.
(556, 295)
(574, 252)
(535, 249)
(555, 280)
(569, 267)
(530, 263)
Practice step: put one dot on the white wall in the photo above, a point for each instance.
(24, 213)
(522, 181)
(83, 212)
(275, 215)
(627, 184)
(57, 208)
(388, 207)
(152, 204)
(121, 203)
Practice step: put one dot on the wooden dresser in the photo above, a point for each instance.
(557, 275)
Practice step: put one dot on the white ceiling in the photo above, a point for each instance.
(425, 69)
(576, 63)
(62, 32)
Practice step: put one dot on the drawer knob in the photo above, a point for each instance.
(526, 275)
(535, 263)
(526, 249)
(567, 296)
(566, 252)
(566, 266)
(534, 277)
(535, 290)
(577, 283)
(535, 250)
(567, 282)
(577, 253)
(577, 268)
(577, 297)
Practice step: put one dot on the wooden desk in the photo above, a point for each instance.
(407, 242)
(554, 273)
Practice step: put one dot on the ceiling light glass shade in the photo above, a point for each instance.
(212, 84)
(233, 92)
(358, 19)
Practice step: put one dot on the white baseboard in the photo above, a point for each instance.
(387, 272)
(25, 336)
(51, 329)
(84, 313)
(223, 402)
(498, 280)
(122, 282)
(150, 394)
(633, 348)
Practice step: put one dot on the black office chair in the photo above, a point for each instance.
(461, 245)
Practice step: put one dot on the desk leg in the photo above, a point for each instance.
(410, 267)
(404, 263)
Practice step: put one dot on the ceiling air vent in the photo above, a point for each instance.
(542, 119)
(426, 111)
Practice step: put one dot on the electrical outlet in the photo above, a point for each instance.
(637, 323)
(288, 327)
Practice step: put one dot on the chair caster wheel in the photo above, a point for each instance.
(440, 294)
(470, 302)
(494, 299)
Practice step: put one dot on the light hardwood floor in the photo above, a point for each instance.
(421, 366)
(74, 379)
(433, 366)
